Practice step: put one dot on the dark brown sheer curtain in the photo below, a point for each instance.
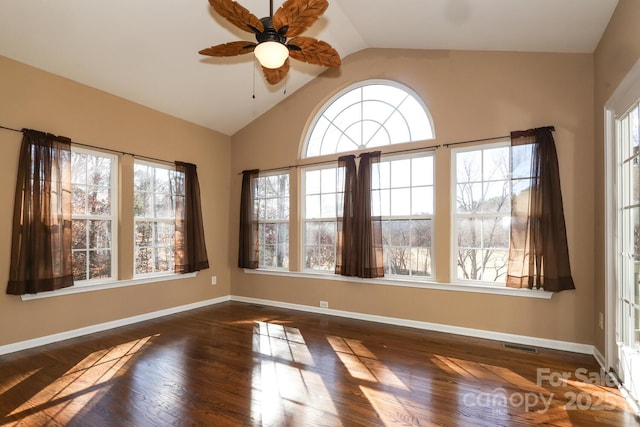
(346, 250)
(41, 241)
(248, 245)
(369, 227)
(190, 251)
(359, 237)
(539, 254)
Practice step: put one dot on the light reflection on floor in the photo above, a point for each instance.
(285, 388)
(74, 390)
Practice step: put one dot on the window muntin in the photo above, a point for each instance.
(406, 195)
(482, 211)
(154, 218)
(372, 114)
(94, 215)
(271, 203)
(323, 198)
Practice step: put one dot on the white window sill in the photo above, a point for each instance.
(412, 283)
(111, 284)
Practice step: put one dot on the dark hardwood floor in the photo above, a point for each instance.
(237, 364)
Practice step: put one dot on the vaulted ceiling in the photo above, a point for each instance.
(147, 50)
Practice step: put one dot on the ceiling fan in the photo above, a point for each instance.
(272, 48)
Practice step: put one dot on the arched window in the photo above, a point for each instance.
(364, 117)
(370, 114)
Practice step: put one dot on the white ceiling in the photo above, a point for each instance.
(147, 50)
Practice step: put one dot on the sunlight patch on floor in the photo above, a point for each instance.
(283, 394)
(71, 392)
(280, 341)
(394, 411)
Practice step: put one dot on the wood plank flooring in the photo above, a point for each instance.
(238, 364)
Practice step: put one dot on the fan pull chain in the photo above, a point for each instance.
(254, 78)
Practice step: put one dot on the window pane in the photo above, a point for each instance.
(164, 205)
(328, 205)
(312, 179)
(469, 264)
(78, 200)
(99, 201)
(401, 132)
(79, 234)
(397, 233)
(369, 116)
(495, 232)
(422, 201)
(328, 180)
(469, 197)
(469, 166)
(144, 233)
(99, 264)
(99, 234)
(313, 207)
(494, 265)
(79, 265)
(144, 261)
(496, 164)
(78, 168)
(422, 171)
(401, 201)
(401, 173)
(496, 197)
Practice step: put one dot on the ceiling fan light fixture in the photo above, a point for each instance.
(271, 54)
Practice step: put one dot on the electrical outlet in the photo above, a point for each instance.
(324, 304)
(214, 280)
(601, 320)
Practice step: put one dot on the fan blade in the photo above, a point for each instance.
(313, 51)
(229, 49)
(275, 75)
(298, 15)
(237, 15)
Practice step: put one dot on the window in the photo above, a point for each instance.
(94, 214)
(364, 116)
(154, 218)
(406, 197)
(323, 200)
(371, 114)
(482, 212)
(272, 206)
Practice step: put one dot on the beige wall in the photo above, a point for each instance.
(617, 52)
(470, 95)
(34, 99)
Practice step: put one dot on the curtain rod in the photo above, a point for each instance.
(431, 148)
(326, 162)
(109, 150)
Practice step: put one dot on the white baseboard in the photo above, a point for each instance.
(479, 333)
(438, 327)
(600, 359)
(23, 345)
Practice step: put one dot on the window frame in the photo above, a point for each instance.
(319, 114)
(429, 217)
(273, 221)
(113, 217)
(303, 215)
(135, 220)
(454, 279)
